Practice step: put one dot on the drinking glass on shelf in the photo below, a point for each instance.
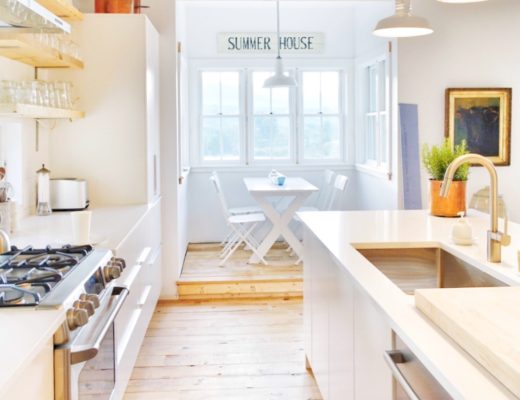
(7, 92)
(23, 92)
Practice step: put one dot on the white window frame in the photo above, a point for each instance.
(342, 114)
(197, 150)
(381, 162)
(293, 139)
(246, 160)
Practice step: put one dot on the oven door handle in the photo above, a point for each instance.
(91, 350)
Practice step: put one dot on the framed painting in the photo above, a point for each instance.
(482, 117)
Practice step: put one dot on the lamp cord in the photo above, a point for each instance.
(278, 26)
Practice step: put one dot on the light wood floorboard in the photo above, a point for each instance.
(235, 349)
(203, 278)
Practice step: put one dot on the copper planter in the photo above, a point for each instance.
(449, 206)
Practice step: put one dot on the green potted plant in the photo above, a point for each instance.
(436, 160)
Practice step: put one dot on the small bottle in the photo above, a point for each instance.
(43, 205)
(461, 232)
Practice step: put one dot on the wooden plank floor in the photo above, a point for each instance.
(203, 278)
(232, 350)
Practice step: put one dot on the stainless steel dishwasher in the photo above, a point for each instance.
(412, 381)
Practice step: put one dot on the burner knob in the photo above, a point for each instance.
(111, 272)
(93, 298)
(118, 262)
(76, 317)
(88, 306)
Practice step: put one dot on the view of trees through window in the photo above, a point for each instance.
(241, 121)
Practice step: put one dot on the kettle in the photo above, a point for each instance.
(5, 242)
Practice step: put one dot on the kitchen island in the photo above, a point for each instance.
(354, 312)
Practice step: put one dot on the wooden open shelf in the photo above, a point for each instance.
(22, 48)
(62, 9)
(38, 112)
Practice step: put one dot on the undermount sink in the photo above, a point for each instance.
(427, 268)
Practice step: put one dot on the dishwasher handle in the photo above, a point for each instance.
(392, 358)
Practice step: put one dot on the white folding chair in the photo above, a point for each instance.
(340, 185)
(233, 210)
(241, 226)
(324, 193)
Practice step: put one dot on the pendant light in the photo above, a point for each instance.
(402, 23)
(279, 79)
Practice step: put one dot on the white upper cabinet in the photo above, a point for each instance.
(116, 146)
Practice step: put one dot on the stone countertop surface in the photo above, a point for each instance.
(344, 231)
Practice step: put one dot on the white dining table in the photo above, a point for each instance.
(261, 189)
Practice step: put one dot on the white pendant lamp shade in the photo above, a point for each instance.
(402, 23)
(279, 79)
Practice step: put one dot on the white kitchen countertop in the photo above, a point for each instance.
(341, 231)
(109, 227)
(23, 334)
(24, 331)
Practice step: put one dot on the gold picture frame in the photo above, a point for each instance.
(482, 117)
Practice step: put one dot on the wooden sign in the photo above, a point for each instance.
(265, 43)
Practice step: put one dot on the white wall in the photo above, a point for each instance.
(207, 18)
(20, 149)
(374, 191)
(337, 20)
(474, 45)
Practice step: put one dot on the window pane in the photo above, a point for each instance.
(321, 138)
(372, 88)
(330, 138)
(281, 138)
(266, 101)
(330, 92)
(280, 101)
(220, 138)
(312, 138)
(370, 137)
(230, 139)
(261, 96)
(211, 138)
(271, 138)
(210, 93)
(311, 92)
(230, 93)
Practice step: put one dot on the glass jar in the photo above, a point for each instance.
(43, 206)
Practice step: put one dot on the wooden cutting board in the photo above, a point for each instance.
(483, 321)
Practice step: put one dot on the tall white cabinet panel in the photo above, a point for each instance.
(341, 335)
(116, 146)
(372, 337)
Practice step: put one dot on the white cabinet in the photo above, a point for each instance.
(345, 335)
(142, 252)
(116, 146)
(341, 335)
(373, 336)
(36, 381)
(328, 321)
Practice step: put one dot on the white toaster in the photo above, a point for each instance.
(69, 194)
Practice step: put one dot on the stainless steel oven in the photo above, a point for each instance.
(85, 365)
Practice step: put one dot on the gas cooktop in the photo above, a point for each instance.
(27, 275)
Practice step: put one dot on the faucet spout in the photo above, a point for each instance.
(495, 238)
